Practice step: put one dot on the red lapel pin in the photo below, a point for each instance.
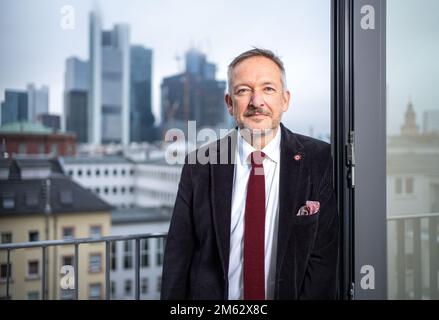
(297, 157)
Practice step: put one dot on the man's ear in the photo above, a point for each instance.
(286, 97)
(229, 103)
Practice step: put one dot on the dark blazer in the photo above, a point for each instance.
(197, 247)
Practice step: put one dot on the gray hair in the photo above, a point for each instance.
(257, 52)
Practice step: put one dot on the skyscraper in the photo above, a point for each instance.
(110, 83)
(141, 117)
(77, 75)
(48, 120)
(15, 107)
(76, 113)
(194, 95)
(38, 101)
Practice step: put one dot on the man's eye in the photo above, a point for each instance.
(242, 91)
(269, 89)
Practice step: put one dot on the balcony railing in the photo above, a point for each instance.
(77, 242)
(416, 241)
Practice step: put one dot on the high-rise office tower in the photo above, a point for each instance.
(141, 117)
(15, 107)
(38, 101)
(76, 98)
(194, 95)
(109, 97)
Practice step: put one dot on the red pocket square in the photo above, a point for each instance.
(310, 208)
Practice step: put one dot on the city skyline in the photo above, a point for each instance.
(207, 27)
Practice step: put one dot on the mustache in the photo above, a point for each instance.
(253, 111)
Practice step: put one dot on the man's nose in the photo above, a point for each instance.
(257, 99)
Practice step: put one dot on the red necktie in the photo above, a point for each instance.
(254, 231)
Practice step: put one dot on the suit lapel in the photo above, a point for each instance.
(221, 195)
(291, 176)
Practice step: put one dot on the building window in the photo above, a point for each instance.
(115, 172)
(122, 172)
(67, 261)
(8, 200)
(113, 289)
(88, 172)
(144, 253)
(97, 190)
(122, 190)
(131, 189)
(79, 173)
(114, 190)
(95, 231)
(34, 236)
(33, 295)
(127, 254)
(159, 251)
(6, 237)
(144, 285)
(398, 185)
(67, 294)
(71, 173)
(128, 287)
(95, 264)
(113, 255)
(22, 148)
(98, 172)
(68, 233)
(131, 172)
(4, 271)
(106, 190)
(409, 185)
(159, 283)
(54, 149)
(33, 268)
(95, 291)
(66, 197)
(106, 172)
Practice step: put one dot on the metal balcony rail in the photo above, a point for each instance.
(413, 233)
(77, 242)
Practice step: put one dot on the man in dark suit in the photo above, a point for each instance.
(258, 220)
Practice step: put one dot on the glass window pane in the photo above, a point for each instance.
(412, 149)
(95, 263)
(6, 237)
(95, 291)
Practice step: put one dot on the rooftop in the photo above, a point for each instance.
(25, 128)
(150, 214)
(24, 197)
(112, 159)
(30, 185)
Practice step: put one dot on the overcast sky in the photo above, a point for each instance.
(412, 59)
(34, 47)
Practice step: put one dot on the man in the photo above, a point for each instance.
(263, 224)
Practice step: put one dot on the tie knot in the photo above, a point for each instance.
(256, 158)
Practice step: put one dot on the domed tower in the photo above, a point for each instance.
(409, 128)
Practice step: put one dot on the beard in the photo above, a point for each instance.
(260, 135)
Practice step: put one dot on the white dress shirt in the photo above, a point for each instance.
(242, 170)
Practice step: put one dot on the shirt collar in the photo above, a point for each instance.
(271, 150)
